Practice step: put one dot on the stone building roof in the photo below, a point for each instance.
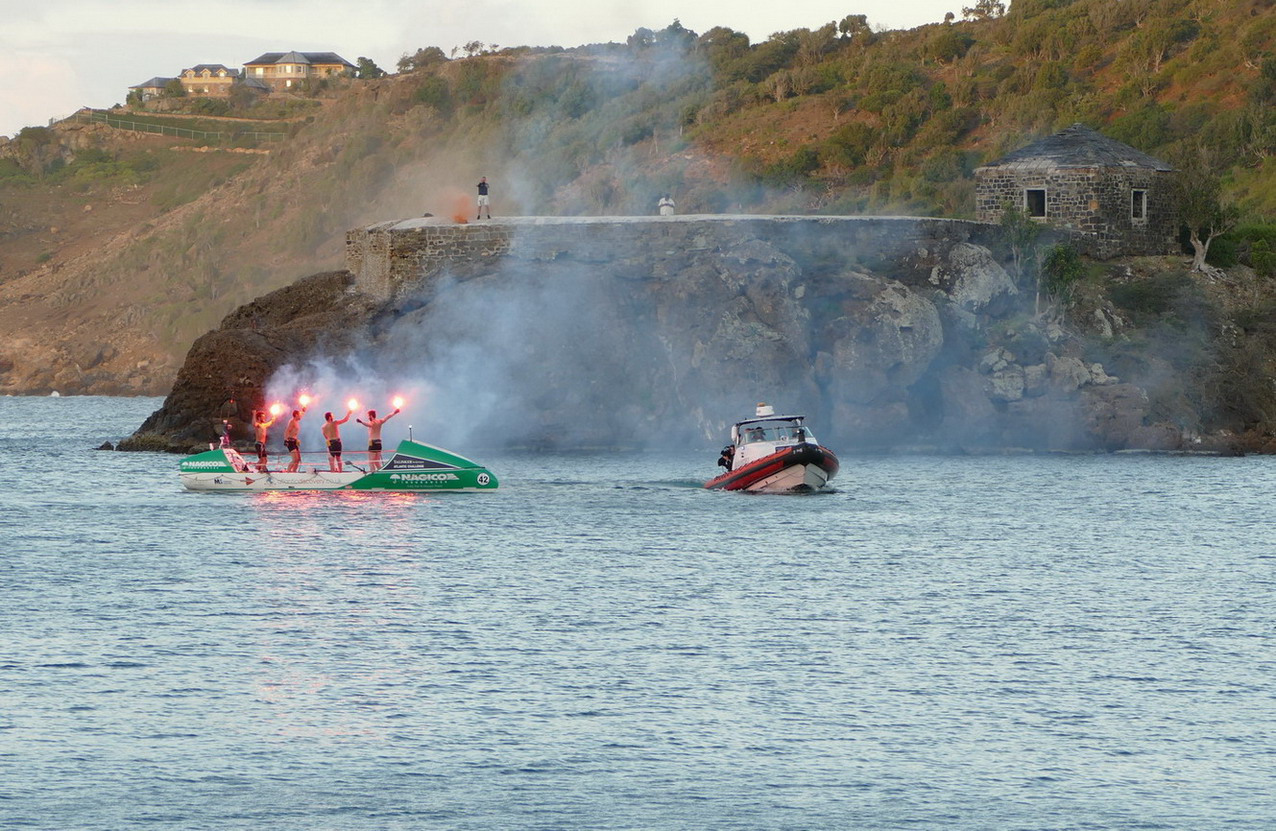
(152, 83)
(300, 57)
(213, 68)
(1077, 147)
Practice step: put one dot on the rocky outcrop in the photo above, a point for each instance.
(226, 370)
(662, 334)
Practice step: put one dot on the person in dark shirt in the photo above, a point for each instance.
(483, 204)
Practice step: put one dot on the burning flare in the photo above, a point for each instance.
(276, 409)
(304, 400)
(353, 403)
(398, 402)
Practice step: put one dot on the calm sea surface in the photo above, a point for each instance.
(1026, 642)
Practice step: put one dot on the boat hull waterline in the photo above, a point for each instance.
(799, 469)
(413, 467)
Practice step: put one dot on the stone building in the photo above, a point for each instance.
(283, 71)
(1111, 199)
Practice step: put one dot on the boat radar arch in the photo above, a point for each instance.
(765, 409)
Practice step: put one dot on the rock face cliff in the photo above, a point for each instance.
(661, 332)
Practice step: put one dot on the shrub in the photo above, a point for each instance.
(434, 92)
(1263, 258)
(795, 168)
(1060, 271)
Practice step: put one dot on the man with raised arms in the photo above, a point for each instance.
(291, 434)
(261, 425)
(333, 435)
(374, 436)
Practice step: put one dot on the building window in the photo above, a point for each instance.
(1139, 205)
(1034, 202)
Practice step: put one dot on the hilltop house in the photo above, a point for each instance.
(287, 70)
(208, 79)
(151, 89)
(1113, 200)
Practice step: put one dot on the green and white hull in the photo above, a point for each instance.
(413, 466)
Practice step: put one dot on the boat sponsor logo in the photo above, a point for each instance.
(413, 463)
(208, 465)
(422, 478)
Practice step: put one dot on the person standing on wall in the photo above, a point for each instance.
(483, 203)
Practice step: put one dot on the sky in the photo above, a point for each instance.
(59, 55)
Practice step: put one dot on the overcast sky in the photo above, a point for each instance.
(59, 55)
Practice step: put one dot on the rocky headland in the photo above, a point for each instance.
(661, 332)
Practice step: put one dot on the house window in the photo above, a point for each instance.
(1139, 205)
(1034, 202)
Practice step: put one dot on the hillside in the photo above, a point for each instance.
(117, 250)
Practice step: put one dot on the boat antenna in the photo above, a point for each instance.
(409, 432)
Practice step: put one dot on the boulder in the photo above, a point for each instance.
(972, 278)
(1114, 415)
(1067, 375)
(885, 339)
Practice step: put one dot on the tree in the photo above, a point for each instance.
(814, 45)
(367, 70)
(422, 58)
(474, 48)
(642, 38)
(723, 47)
(1021, 232)
(1198, 190)
(984, 10)
(173, 89)
(855, 28)
(676, 36)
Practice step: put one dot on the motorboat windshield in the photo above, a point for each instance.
(783, 429)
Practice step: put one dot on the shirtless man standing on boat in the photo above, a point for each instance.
(291, 432)
(260, 426)
(333, 435)
(374, 436)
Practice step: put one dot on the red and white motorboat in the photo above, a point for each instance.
(774, 454)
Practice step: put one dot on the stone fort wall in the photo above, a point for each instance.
(390, 257)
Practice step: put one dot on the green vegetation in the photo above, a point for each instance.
(1061, 269)
(840, 117)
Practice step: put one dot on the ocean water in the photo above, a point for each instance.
(1014, 642)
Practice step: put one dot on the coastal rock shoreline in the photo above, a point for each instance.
(603, 343)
